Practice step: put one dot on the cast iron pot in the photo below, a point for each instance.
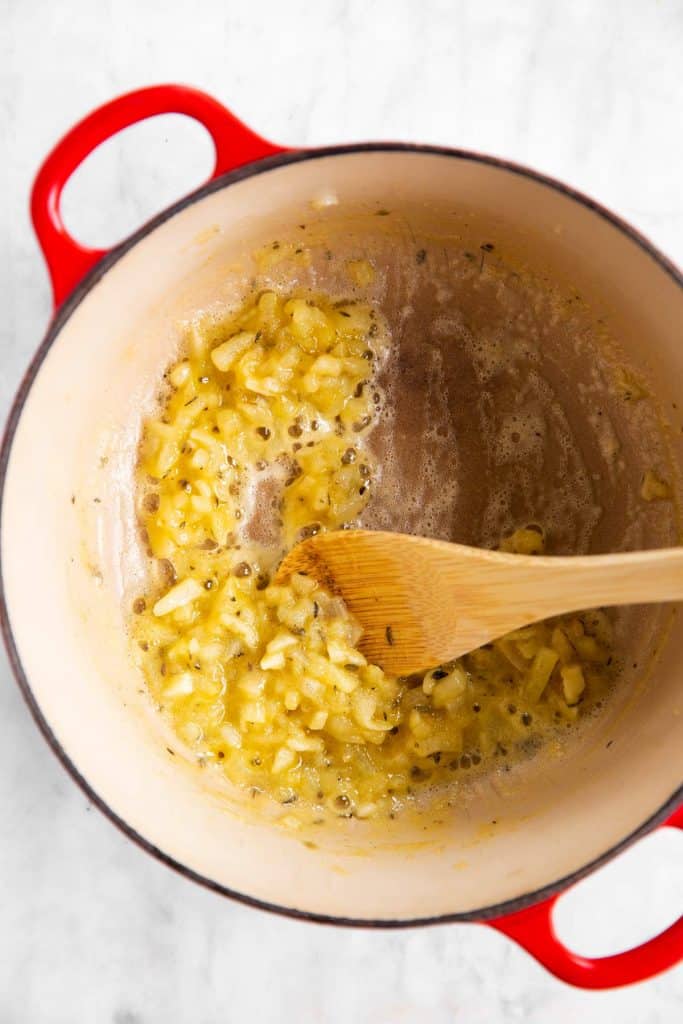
(114, 327)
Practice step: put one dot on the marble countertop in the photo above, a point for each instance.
(91, 929)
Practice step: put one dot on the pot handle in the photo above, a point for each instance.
(235, 145)
(532, 928)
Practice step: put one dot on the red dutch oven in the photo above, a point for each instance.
(71, 436)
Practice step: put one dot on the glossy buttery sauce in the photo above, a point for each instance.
(288, 417)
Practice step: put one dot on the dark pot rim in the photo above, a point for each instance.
(65, 311)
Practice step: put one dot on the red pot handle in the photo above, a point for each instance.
(235, 145)
(68, 262)
(533, 929)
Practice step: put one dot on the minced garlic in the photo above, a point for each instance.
(262, 441)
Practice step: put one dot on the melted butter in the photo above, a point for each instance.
(271, 430)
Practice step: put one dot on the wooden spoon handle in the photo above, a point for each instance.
(561, 584)
(422, 601)
(483, 598)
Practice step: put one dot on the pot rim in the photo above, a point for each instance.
(65, 311)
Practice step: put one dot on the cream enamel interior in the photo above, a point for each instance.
(64, 564)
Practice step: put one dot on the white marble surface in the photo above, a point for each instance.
(91, 929)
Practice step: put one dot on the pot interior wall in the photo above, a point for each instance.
(494, 286)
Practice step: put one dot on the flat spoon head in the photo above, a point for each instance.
(402, 592)
(423, 602)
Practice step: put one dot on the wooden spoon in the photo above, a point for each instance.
(422, 602)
